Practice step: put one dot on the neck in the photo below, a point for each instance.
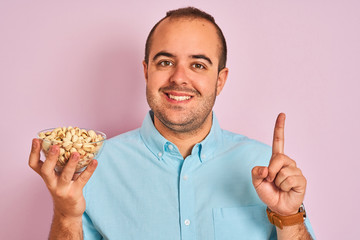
(184, 141)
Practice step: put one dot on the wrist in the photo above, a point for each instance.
(66, 227)
(66, 220)
(281, 221)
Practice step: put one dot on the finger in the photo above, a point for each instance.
(258, 174)
(277, 162)
(34, 159)
(295, 183)
(286, 172)
(278, 138)
(69, 170)
(47, 169)
(85, 175)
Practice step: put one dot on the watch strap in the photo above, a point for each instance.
(281, 221)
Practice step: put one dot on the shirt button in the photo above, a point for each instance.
(159, 154)
(185, 177)
(187, 222)
(171, 147)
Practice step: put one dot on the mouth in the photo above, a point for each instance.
(178, 97)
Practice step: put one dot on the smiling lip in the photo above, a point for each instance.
(177, 96)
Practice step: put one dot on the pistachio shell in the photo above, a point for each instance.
(46, 145)
(72, 131)
(88, 147)
(62, 159)
(82, 152)
(42, 135)
(74, 138)
(77, 145)
(62, 151)
(68, 135)
(67, 145)
(61, 134)
(92, 134)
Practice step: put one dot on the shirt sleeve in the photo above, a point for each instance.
(89, 231)
(309, 228)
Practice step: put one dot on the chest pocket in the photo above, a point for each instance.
(248, 223)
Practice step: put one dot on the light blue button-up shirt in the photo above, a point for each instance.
(143, 189)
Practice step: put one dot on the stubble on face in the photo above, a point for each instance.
(192, 121)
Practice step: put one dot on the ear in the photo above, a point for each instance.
(145, 70)
(222, 77)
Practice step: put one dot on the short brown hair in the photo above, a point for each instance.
(190, 12)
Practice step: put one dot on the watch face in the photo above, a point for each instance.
(302, 209)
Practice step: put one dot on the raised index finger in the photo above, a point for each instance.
(278, 139)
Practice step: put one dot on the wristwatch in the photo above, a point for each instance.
(281, 221)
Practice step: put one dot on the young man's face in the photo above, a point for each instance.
(182, 73)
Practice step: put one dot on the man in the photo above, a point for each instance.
(180, 176)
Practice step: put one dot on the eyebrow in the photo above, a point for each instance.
(163, 53)
(200, 56)
(196, 56)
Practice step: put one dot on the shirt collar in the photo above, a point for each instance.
(153, 140)
(212, 142)
(156, 143)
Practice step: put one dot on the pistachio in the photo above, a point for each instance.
(72, 131)
(77, 145)
(68, 135)
(74, 138)
(46, 145)
(62, 151)
(42, 135)
(82, 152)
(92, 134)
(67, 145)
(88, 147)
(83, 132)
(62, 160)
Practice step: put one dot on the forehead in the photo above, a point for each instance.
(185, 36)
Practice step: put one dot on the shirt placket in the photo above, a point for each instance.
(187, 200)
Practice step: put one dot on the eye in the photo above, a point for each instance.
(198, 66)
(165, 63)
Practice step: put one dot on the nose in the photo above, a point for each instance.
(179, 75)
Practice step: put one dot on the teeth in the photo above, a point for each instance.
(179, 98)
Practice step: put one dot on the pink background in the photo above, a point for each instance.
(79, 63)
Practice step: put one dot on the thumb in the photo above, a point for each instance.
(258, 174)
